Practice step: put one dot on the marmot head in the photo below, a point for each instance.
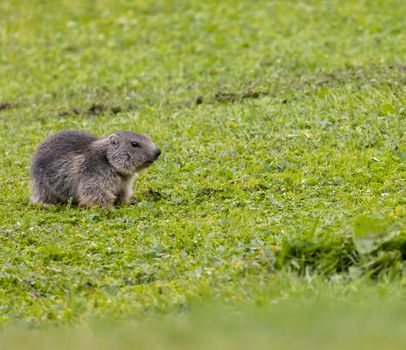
(130, 152)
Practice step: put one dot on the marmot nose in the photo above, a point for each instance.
(157, 153)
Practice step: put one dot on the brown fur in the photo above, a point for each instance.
(73, 165)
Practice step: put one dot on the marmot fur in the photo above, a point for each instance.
(73, 165)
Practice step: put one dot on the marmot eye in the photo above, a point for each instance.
(135, 144)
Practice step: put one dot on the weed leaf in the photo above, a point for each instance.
(371, 231)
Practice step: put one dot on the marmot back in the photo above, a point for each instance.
(73, 165)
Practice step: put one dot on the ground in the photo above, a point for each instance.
(282, 177)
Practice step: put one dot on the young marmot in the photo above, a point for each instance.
(89, 171)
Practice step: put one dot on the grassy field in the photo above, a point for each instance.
(282, 177)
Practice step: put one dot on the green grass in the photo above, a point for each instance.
(284, 156)
(321, 325)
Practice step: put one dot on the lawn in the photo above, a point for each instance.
(282, 177)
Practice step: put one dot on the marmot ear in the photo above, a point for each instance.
(113, 140)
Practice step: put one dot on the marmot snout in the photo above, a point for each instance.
(73, 165)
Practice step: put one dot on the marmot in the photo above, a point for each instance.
(73, 165)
